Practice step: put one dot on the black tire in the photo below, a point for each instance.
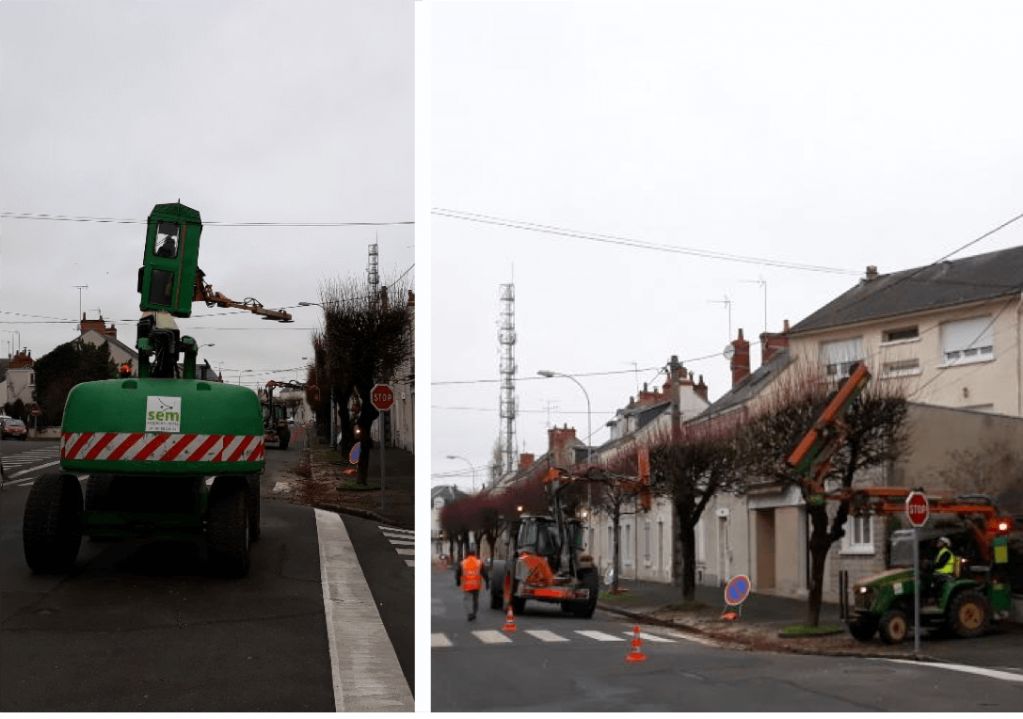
(227, 527)
(97, 492)
(969, 614)
(285, 438)
(863, 629)
(894, 626)
(585, 608)
(52, 529)
(254, 502)
(497, 585)
(518, 605)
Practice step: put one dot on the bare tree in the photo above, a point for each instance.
(614, 493)
(874, 432)
(689, 467)
(366, 338)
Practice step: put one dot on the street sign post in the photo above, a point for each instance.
(917, 512)
(382, 398)
(736, 592)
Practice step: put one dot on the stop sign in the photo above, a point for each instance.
(381, 397)
(917, 509)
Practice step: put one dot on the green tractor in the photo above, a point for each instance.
(963, 604)
(165, 455)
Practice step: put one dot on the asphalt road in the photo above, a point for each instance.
(550, 664)
(142, 626)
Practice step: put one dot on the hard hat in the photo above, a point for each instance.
(944, 542)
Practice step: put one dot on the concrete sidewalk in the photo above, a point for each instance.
(764, 616)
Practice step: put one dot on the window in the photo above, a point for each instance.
(167, 239)
(610, 542)
(901, 368)
(901, 334)
(646, 538)
(660, 545)
(839, 357)
(626, 554)
(967, 341)
(859, 537)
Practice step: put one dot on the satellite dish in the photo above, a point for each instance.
(729, 351)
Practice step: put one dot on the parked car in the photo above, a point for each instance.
(13, 428)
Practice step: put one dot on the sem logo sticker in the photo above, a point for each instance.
(897, 587)
(163, 414)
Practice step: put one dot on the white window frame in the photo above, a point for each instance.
(885, 342)
(646, 537)
(978, 348)
(859, 536)
(909, 367)
(626, 554)
(838, 356)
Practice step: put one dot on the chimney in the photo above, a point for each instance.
(740, 359)
(559, 439)
(98, 325)
(526, 460)
(701, 390)
(772, 342)
(21, 359)
(871, 273)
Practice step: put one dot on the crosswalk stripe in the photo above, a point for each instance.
(599, 636)
(546, 636)
(410, 562)
(651, 637)
(405, 552)
(491, 636)
(396, 529)
(403, 542)
(439, 640)
(33, 469)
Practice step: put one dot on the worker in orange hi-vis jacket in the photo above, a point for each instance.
(469, 575)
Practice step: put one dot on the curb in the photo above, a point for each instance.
(751, 645)
(363, 513)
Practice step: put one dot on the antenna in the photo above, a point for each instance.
(728, 304)
(763, 283)
(507, 338)
(80, 288)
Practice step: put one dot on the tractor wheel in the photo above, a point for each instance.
(52, 529)
(285, 438)
(969, 614)
(497, 585)
(863, 629)
(518, 604)
(894, 626)
(227, 527)
(253, 503)
(584, 609)
(97, 491)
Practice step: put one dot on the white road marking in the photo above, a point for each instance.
(395, 529)
(439, 640)
(491, 636)
(966, 669)
(402, 542)
(410, 563)
(366, 673)
(599, 636)
(546, 636)
(685, 637)
(33, 469)
(650, 637)
(405, 552)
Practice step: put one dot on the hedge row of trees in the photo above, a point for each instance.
(730, 454)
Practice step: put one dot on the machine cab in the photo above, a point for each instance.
(168, 274)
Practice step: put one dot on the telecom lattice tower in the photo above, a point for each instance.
(372, 268)
(506, 336)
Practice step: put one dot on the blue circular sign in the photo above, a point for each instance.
(737, 590)
(353, 456)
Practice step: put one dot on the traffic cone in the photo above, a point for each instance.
(509, 621)
(636, 655)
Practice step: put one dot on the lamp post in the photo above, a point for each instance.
(471, 466)
(589, 434)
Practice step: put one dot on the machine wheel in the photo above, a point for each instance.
(969, 614)
(894, 626)
(52, 529)
(863, 629)
(589, 579)
(285, 438)
(227, 527)
(518, 604)
(497, 585)
(253, 502)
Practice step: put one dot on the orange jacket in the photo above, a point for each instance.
(471, 574)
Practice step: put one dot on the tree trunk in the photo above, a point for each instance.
(367, 415)
(819, 546)
(616, 517)
(688, 537)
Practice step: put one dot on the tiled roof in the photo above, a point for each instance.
(944, 284)
(749, 387)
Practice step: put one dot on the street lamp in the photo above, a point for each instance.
(471, 466)
(589, 434)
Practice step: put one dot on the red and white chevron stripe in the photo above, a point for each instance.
(158, 447)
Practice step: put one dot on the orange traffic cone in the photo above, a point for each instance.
(509, 621)
(636, 655)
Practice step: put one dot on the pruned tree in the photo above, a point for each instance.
(615, 488)
(689, 467)
(65, 366)
(366, 338)
(874, 434)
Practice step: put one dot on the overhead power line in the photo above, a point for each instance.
(47, 217)
(633, 242)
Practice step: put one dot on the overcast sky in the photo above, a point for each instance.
(290, 111)
(827, 133)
